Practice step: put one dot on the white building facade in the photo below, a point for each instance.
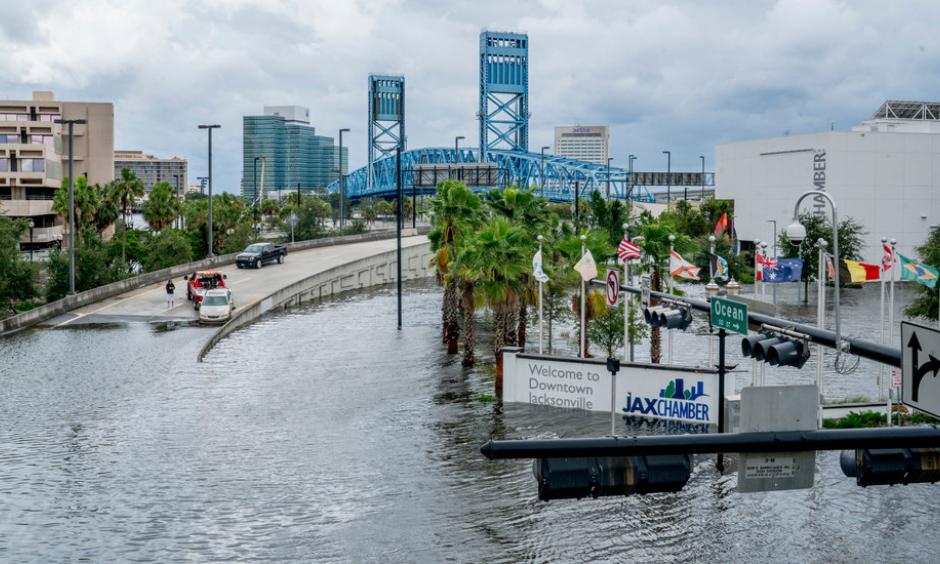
(584, 143)
(884, 173)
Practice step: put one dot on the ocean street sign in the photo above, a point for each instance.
(726, 314)
(920, 357)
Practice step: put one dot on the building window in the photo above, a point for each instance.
(49, 117)
(8, 138)
(32, 165)
(41, 139)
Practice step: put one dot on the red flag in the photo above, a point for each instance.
(722, 224)
(628, 250)
(887, 259)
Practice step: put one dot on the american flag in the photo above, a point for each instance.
(628, 250)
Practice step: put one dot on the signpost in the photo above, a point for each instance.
(920, 357)
(730, 315)
(645, 291)
(613, 288)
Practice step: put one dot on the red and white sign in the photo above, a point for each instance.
(613, 288)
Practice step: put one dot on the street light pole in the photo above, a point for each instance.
(774, 221)
(342, 184)
(608, 177)
(31, 225)
(209, 234)
(703, 176)
(668, 177)
(71, 123)
(179, 217)
(255, 195)
(542, 172)
(457, 148)
(631, 158)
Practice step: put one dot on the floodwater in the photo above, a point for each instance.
(325, 435)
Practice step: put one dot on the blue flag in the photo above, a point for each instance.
(787, 270)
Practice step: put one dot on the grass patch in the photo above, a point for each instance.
(869, 419)
(484, 398)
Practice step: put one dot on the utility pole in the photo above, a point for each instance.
(398, 222)
(210, 128)
(668, 178)
(71, 123)
(342, 184)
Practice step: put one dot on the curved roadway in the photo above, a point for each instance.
(149, 304)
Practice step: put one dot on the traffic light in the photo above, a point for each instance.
(668, 317)
(879, 467)
(574, 478)
(777, 347)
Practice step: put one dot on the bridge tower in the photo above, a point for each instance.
(386, 119)
(504, 92)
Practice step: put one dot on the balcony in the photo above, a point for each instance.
(45, 234)
(26, 208)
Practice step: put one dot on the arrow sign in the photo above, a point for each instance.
(613, 287)
(918, 342)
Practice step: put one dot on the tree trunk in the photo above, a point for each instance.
(469, 333)
(451, 316)
(501, 324)
(523, 323)
(656, 345)
(512, 324)
(124, 236)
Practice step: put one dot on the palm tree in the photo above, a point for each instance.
(124, 191)
(455, 212)
(655, 246)
(86, 197)
(162, 207)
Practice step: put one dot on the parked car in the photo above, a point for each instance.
(198, 283)
(256, 254)
(217, 306)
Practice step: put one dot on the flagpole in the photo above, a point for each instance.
(757, 268)
(672, 239)
(540, 238)
(883, 386)
(891, 320)
(583, 353)
(820, 322)
(627, 300)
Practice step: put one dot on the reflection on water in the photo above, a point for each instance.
(326, 435)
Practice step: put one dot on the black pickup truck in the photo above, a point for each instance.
(256, 254)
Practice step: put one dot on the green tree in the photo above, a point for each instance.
(17, 277)
(455, 212)
(124, 191)
(926, 303)
(168, 248)
(607, 329)
(93, 266)
(87, 199)
(162, 207)
(851, 243)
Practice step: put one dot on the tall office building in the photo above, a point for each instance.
(34, 157)
(584, 143)
(150, 169)
(281, 150)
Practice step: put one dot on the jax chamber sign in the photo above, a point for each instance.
(644, 390)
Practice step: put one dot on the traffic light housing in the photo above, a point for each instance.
(880, 467)
(776, 349)
(667, 317)
(574, 478)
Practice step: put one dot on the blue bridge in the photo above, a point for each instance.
(503, 149)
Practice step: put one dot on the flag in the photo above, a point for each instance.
(586, 267)
(852, 271)
(762, 263)
(720, 267)
(678, 266)
(887, 259)
(918, 272)
(537, 267)
(783, 270)
(722, 224)
(830, 269)
(628, 250)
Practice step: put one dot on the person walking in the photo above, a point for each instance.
(170, 289)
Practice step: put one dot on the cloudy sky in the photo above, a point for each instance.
(682, 76)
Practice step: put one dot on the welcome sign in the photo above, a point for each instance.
(647, 390)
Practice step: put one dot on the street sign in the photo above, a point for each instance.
(645, 290)
(920, 356)
(726, 314)
(613, 288)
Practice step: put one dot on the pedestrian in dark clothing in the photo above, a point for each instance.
(170, 289)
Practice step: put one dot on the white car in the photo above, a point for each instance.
(216, 306)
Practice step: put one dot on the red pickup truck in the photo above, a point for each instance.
(198, 283)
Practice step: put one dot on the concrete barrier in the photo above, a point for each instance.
(42, 313)
(373, 270)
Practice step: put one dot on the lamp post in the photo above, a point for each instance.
(630, 278)
(542, 172)
(255, 182)
(179, 217)
(71, 123)
(672, 243)
(342, 184)
(31, 225)
(796, 233)
(457, 148)
(703, 176)
(630, 159)
(209, 235)
(668, 177)
(774, 221)
(608, 177)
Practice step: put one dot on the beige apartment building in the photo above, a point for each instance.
(150, 169)
(583, 142)
(34, 157)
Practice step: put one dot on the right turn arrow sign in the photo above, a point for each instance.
(920, 347)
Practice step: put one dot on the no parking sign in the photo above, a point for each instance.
(613, 288)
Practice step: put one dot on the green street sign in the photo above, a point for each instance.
(729, 315)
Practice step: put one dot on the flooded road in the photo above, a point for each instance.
(325, 435)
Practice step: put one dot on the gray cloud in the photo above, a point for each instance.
(665, 75)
